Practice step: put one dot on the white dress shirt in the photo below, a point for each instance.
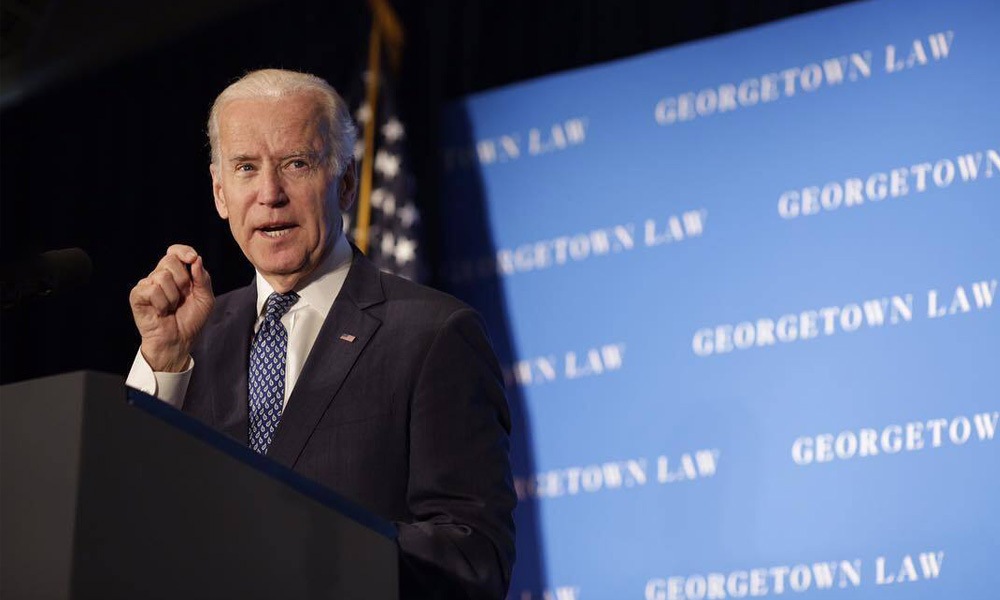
(302, 322)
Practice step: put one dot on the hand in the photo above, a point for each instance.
(170, 307)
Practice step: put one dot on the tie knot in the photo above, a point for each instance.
(278, 304)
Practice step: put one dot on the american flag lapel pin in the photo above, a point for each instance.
(347, 337)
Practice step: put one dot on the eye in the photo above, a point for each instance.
(298, 163)
(245, 168)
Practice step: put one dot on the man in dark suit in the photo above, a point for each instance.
(386, 391)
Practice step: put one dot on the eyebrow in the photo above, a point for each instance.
(296, 153)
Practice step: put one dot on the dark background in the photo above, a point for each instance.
(102, 123)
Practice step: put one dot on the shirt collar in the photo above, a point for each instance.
(321, 287)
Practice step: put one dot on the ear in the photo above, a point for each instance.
(220, 196)
(349, 186)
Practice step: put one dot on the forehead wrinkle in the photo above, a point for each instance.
(271, 127)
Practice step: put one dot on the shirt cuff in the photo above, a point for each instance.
(168, 387)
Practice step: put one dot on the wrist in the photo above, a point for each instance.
(166, 361)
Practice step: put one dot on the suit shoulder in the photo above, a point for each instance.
(431, 305)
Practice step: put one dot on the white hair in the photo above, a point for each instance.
(278, 83)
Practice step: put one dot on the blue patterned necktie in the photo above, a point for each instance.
(267, 371)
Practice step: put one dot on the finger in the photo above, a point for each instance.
(165, 281)
(200, 275)
(159, 300)
(177, 270)
(186, 254)
(139, 296)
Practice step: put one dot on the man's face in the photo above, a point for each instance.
(276, 187)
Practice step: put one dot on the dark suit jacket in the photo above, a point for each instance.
(409, 420)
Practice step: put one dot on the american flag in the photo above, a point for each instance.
(395, 222)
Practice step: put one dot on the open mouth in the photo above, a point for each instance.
(276, 230)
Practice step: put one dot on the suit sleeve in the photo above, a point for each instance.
(460, 491)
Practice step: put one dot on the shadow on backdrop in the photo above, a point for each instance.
(468, 266)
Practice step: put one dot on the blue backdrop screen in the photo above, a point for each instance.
(745, 296)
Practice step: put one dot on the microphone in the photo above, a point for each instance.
(48, 274)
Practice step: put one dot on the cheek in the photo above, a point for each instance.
(234, 228)
(238, 222)
(238, 207)
(322, 214)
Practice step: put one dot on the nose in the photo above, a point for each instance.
(271, 192)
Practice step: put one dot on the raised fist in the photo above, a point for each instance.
(170, 307)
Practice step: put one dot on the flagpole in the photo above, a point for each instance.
(384, 19)
(371, 101)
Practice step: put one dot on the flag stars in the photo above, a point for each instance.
(393, 130)
(388, 205)
(363, 114)
(388, 244)
(408, 215)
(386, 164)
(383, 201)
(406, 250)
(394, 217)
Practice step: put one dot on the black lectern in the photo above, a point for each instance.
(105, 494)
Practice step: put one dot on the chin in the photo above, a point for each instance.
(281, 268)
(281, 265)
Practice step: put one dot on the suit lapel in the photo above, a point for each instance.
(231, 338)
(329, 361)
